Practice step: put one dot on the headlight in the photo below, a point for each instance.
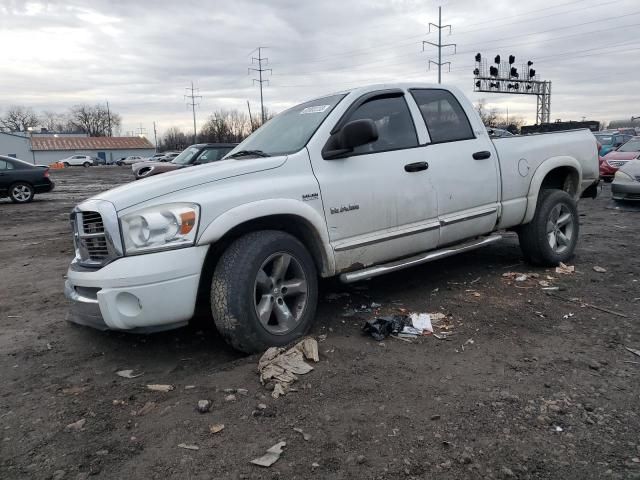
(162, 227)
(624, 177)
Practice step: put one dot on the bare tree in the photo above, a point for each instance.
(96, 120)
(19, 119)
(56, 122)
(488, 116)
(173, 139)
(226, 126)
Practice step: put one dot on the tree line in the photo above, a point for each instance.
(491, 118)
(93, 120)
(222, 126)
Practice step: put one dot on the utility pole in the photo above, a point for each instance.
(260, 59)
(440, 45)
(192, 103)
(155, 136)
(141, 131)
(109, 120)
(250, 117)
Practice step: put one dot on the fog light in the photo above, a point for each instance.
(128, 304)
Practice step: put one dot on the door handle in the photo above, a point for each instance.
(416, 167)
(481, 155)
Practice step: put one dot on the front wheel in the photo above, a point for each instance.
(66, 164)
(264, 291)
(21, 192)
(552, 235)
(86, 164)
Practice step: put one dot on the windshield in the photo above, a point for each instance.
(186, 156)
(605, 140)
(289, 131)
(630, 146)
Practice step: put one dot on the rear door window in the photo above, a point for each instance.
(445, 118)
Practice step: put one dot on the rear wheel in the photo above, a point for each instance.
(86, 164)
(264, 291)
(21, 192)
(66, 164)
(552, 235)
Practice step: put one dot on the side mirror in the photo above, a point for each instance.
(350, 136)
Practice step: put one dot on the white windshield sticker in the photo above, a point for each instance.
(316, 109)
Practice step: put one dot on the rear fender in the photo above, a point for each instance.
(539, 176)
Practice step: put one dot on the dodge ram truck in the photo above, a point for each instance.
(354, 184)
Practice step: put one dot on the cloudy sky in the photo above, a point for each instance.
(140, 55)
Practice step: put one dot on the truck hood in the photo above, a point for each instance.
(140, 191)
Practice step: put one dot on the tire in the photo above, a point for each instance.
(21, 192)
(608, 179)
(66, 164)
(247, 278)
(86, 164)
(552, 235)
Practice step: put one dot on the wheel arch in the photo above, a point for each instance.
(561, 173)
(291, 216)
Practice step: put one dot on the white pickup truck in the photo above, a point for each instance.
(355, 184)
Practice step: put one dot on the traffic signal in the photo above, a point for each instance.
(478, 57)
(512, 59)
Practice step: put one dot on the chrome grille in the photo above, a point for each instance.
(96, 234)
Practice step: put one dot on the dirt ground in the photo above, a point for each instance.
(527, 386)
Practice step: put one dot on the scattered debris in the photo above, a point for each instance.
(188, 447)
(599, 269)
(544, 283)
(160, 388)
(375, 305)
(583, 304)
(306, 436)
(382, 327)
(230, 398)
(421, 322)
(315, 465)
(146, 408)
(335, 296)
(77, 426)
(553, 289)
(217, 428)
(204, 406)
(282, 366)
(558, 429)
(242, 391)
(128, 374)
(568, 315)
(633, 350)
(272, 455)
(565, 269)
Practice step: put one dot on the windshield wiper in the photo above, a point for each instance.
(245, 153)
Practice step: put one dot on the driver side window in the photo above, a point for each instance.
(393, 120)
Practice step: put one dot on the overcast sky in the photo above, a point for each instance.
(140, 55)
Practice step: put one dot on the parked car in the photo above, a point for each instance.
(194, 155)
(168, 156)
(355, 184)
(499, 132)
(130, 160)
(615, 159)
(155, 156)
(77, 161)
(20, 181)
(610, 141)
(626, 182)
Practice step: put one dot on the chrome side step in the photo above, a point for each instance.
(377, 270)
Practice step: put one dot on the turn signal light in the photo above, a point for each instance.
(187, 222)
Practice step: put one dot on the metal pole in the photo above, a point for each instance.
(109, 120)
(250, 117)
(439, 45)
(260, 73)
(193, 108)
(155, 136)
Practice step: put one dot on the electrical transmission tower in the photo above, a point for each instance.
(141, 131)
(440, 45)
(260, 61)
(193, 97)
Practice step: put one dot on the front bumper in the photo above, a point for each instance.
(625, 190)
(151, 292)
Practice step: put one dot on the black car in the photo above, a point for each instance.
(20, 181)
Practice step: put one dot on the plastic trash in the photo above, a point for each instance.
(382, 327)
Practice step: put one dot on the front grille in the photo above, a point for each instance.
(93, 241)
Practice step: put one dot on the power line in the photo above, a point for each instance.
(439, 45)
(141, 130)
(193, 103)
(260, 59)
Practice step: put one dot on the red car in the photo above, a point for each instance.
(612, 161)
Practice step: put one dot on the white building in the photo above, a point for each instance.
(49, 149)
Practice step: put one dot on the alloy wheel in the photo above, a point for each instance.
(560, 228)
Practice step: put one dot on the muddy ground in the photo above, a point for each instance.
(527, 386)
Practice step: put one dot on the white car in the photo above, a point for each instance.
(77, 161)
(355, 184)
(130, 160)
